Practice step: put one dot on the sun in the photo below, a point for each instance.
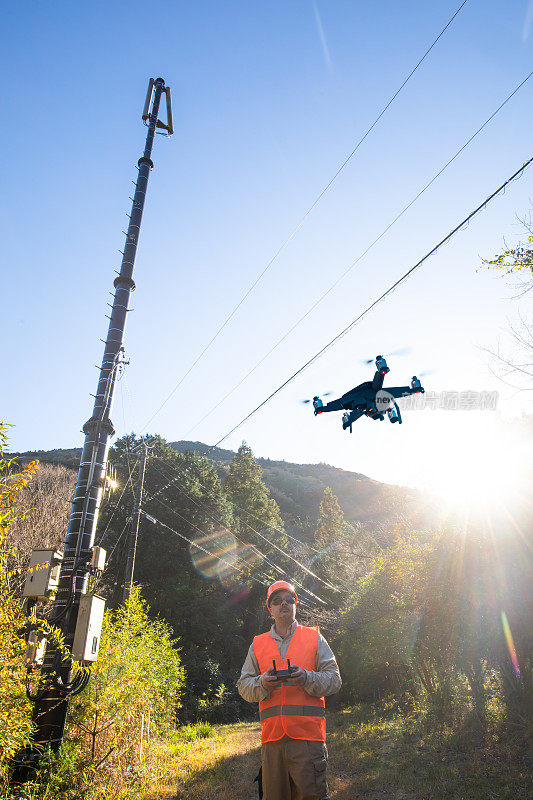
(476, 464)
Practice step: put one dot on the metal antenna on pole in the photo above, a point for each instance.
(57, 679)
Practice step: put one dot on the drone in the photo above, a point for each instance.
(370, 398)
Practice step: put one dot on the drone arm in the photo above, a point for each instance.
(335, 405)
(400, 391)
(377, 381)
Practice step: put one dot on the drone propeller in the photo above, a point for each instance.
(425, 372)
(402, 351)
(310, 400)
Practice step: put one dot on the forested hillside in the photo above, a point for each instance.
(296, 488)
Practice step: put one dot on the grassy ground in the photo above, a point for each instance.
(370, 759)
(221, 767)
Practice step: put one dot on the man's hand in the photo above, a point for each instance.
(268, 680)
(298, 676)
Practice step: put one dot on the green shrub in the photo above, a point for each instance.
(192, 732)
(15, 710)
(133, 693)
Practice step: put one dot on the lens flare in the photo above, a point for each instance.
(324, 552)
(221, 548)
(244, 563)
(217, 555)
(510, 644)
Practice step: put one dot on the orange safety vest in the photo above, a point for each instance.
(290, 710)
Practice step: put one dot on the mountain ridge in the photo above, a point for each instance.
(297, 488)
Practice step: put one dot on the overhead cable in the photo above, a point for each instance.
(318, 552)
(235, 505)
(275, 546)
(385, 294)
(203, 506)
(306, 215)
(359, 258)
(151, 518)
(274, 566)
(131, 467)
(116, 505)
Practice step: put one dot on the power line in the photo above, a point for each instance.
(295, 230)
(131, 468)
(117, 503)
(199, 505)
(109, 555)
(175, 479)
(151, 518)
(235, 505)
(360, 257)
(274, 566)
(385, 294)
(192, 543)
(272, 544)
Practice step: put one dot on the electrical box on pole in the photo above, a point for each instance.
(35, 649)
(88, 628)
(77, 612)
(43, 574)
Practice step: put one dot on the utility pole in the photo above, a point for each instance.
(134, 529)
(57, 680)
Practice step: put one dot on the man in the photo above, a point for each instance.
(292, 710)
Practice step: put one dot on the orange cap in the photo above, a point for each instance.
(277, 586)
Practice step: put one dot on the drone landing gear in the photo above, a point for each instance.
(349, 418)
(394, 414)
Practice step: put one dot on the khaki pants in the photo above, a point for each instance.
(294, 769)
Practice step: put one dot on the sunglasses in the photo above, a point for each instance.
(277, 601)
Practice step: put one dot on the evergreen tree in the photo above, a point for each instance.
(253, 507)
(330, 537)
(256, 519)
(331, 524)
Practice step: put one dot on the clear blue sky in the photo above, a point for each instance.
(269, 98)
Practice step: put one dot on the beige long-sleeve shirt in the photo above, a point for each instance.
(323, 681)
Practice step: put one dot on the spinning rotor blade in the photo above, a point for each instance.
(324, 394)
(402, 351)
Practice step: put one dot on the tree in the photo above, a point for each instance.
(518, 259)
(199, 595)
(329, 537)
(253, 506)
(517, 262)
(46, 500)
(337, 558)
(256, 519)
